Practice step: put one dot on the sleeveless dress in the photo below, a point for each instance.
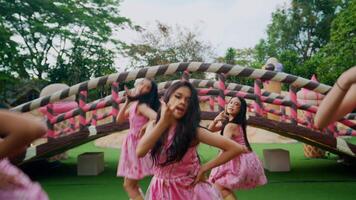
(130, 165)
(174, 181)
(28, 190)
(245, 171)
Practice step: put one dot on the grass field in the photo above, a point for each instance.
(316, 179)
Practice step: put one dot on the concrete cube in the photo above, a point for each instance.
(90, 163)
(276, 160)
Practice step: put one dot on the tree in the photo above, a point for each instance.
(166, 44)
(230, 56)
(298, 32)
(58, 41)
(41, 34)
(340, 53)
(243, 57)
(85, 61)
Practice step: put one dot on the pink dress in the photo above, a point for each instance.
(28, 189)
(245, 171)
(130, 165)
(174, 181)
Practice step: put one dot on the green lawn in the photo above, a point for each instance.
(315, 179)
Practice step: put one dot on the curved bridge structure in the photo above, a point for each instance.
(291, 123)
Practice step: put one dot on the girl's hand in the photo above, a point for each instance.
(201, 177)
(221, 117)
(128, 94)
(167, 113)
(245, 149)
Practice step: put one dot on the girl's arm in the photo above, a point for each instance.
(229, 147)
(335, 105)
(216, 124)
(19, 131)
(146, 111)
(348, 103)
(154, 132)
(149, 139)
(123, 113)
(230, 130)
(339, 101)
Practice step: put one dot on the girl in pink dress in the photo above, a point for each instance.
(172, 142)
(17, 132)
(144, 103)
(245, 171)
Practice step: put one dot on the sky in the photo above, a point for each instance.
(223, 23)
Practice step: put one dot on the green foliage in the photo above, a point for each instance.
(6, 80)
(299, 32)
(17, 91)
(340, 53)
(45, 29)
(166, 44)
(59, 41)
(244, 57)
(86, 61)
(230, 56)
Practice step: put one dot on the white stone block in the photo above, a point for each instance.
(276, 160)
(90, 163)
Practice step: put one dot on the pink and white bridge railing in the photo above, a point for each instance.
(214, 92)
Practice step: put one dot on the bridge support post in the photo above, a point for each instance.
(293, 108)
(258, 102)
(115, 100)
(332, 128)
(50, 116)
(94, 118)
(72, 124)
(82, 113)
(211, 102)
(283, 111)
(221, 97)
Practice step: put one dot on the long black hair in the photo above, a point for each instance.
(186, 130)
(240, 119)
(150, 98)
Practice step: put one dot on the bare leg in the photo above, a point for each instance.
(231, 196)
(132, 189)
(226, 193)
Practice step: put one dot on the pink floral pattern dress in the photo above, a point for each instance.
(174, 181)
(245, 171)
(27, 190)
(130, 165)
